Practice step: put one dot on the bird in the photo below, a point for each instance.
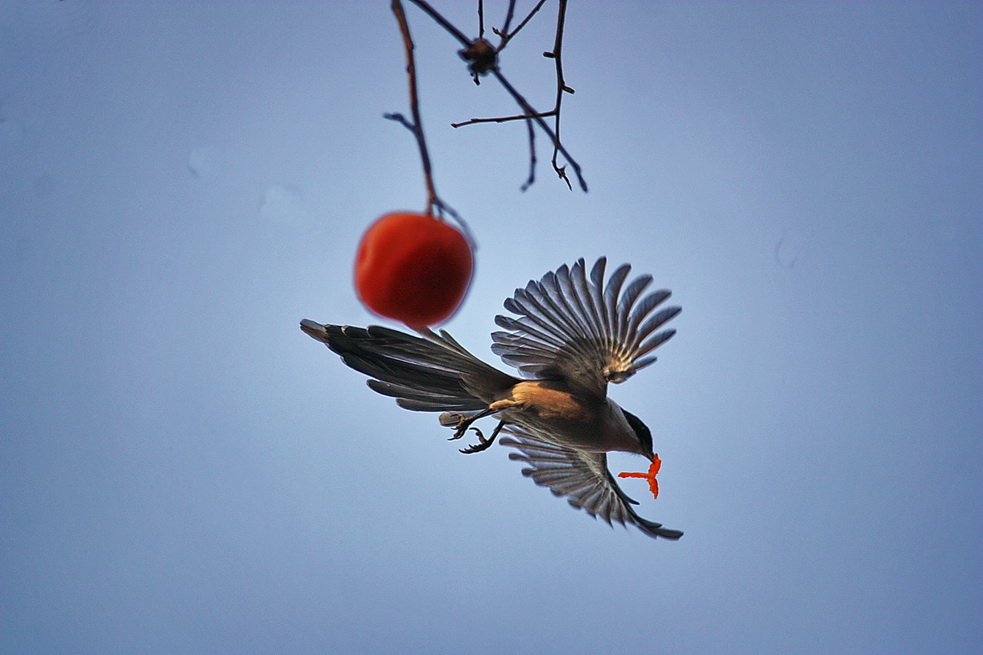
(572, 333)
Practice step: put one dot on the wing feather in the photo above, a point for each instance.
(558, 286)
(585, 298)
(656, 321)
(611, 292)
(582, 477)
(631, 294)
(573, 325)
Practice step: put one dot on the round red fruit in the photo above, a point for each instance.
(413, 268)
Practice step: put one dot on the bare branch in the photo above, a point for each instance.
(530, 114)
(535, 116)
(532, 158)
(482, 58)
(561, 88)
(508, 20)
(443, 22)
(500, 119)
(416, 126)
(506, 35)
(402, 120)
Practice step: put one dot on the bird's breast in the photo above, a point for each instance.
(551, 403)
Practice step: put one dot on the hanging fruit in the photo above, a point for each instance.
(413, 268)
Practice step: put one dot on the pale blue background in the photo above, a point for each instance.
(183, 471)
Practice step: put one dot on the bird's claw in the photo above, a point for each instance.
(483, 444)
(458, 421)
(462, 424)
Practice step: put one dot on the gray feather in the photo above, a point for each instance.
(573, 325)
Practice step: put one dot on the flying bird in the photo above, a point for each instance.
(572, 334)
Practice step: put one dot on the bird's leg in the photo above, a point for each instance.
(462, 422)
(483, 444)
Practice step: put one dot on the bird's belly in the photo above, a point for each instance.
(565, 420)
(582, 435)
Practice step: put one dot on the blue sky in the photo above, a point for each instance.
(182, 470)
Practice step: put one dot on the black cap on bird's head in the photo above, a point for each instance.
(642, 432)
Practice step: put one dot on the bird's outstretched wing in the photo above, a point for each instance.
(582, 477)
(581, 329)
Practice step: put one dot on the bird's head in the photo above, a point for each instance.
(642, 432)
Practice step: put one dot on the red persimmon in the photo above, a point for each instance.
(413, 268)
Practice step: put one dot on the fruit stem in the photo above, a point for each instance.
(416, 127)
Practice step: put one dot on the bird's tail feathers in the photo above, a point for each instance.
(428, 373)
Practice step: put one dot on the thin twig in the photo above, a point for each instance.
(508, 20)
(416, 126)
(561, 88)
(482, 58)
(443, 22)
(532, 158)
(536, 116)
(507, 36)
(500, 119)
